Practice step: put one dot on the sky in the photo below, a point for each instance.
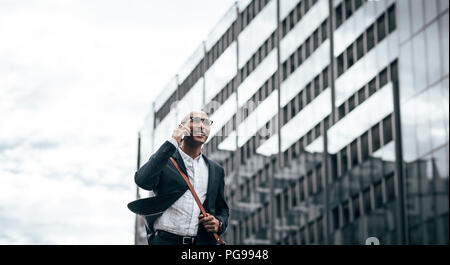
(77, 79)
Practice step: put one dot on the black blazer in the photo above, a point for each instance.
(161, 176)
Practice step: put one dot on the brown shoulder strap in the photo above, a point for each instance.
(202, 210)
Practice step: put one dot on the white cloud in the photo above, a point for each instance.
(76, 81)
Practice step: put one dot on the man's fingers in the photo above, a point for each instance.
(183, 129)
(210, 229)
(205, 219)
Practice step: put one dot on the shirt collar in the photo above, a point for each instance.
(188, 158)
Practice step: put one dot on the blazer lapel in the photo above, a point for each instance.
(211, 180)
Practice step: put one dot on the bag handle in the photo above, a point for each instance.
(202, 210)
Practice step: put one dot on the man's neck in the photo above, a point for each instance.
(191, 150)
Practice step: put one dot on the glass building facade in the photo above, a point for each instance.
(330, 119)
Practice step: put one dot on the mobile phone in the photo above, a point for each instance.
(184, 135)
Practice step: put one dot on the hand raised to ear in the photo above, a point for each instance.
(181, 131)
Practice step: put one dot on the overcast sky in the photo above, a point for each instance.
(76, 81)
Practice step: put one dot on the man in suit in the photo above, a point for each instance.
(172, 216)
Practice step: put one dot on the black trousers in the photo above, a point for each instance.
(159, 240)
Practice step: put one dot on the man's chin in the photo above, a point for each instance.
(200, 139)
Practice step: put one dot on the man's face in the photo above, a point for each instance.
(198, 124)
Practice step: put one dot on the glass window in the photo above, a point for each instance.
(340, 64)
(309, 137)
(370, 38)
(355, 204)
(315, 39)
(366, 201)
(300, 55)
(348, 8)
(346, 213)
(325, 78)
(294, 105)
(299, 10)
(323, 29)
(338, 16)
(436, 104)
(344, 161)
(406, 76)
(291, 20)
(390, 187)
(391, 19)
(378, 194)
(365, 146)
(404, 24)
(441, 167)
(394, 71)
(358, 3)
(294, 195)
(292, 63)
(372, 86)
(326, 122)
(300, 100)
(317, 131)
(308, 89)
(417, 10)
(381, 28)
(250, 11)
(307, 47)
(310, 183)
(387, 129)
(285, 73)
(419, 62)
(286, 201)
(341, 111)
(443, 30)
(320, 229)
(350, 58)
(375, 138)
(354, 153)
(316, 86)
(301, 190)
(383, 78)
(361, 95)
(319, 178)
(289, 110)
(351, 103)
(360, 47)
(433, 53)
(278, 205)
(336, 217)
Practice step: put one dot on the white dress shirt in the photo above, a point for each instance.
(181, 218)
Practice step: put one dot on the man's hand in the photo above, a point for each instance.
(179, 132)
(210, 223)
